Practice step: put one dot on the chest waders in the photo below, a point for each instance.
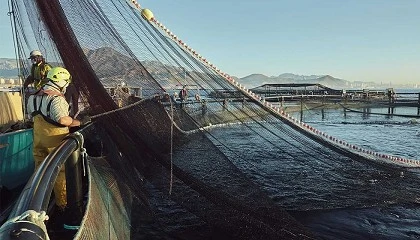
(47, 136)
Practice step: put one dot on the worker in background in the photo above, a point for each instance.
(225, 101)
(203, 107)
(183, 95)
(50, 112)
(197, 97)
(38, 72)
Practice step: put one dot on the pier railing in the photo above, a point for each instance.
(318, 92)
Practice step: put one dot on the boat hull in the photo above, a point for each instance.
(16, 158)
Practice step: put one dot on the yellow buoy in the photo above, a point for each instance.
(147, 14)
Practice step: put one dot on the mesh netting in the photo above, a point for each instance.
(130, 75)
(108, 212)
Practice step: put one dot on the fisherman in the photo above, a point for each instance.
(50, 112)
(203, 107)
(225, 101)
(183, 95)
(197, 97)
(39, 70)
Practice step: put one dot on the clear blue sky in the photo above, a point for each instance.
(356, 40)
(6, 46)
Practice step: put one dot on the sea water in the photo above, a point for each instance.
(332, 197)
(388, 207)
(338, 199)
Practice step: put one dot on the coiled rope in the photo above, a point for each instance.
(32, 217)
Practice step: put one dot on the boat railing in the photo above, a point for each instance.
(26, 220)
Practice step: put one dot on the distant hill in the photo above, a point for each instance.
(113, 66)
(8, 68)
(255, 80)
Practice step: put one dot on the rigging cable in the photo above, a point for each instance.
(15, 47)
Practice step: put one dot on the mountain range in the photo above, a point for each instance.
(8, 68)
(125, 69)
(255, 80)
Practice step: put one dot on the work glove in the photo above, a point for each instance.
(85, 120)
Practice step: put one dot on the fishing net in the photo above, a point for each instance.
(172, 152)
(108, 211)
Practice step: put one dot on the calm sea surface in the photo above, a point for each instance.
(332, 197)
(348, 200)
(388, 206)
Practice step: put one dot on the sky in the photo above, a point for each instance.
(356, 40)
(6, 46)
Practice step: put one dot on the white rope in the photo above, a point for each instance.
(84, 156)
(31, 216)
(83, 152)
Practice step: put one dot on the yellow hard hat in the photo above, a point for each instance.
(57, 74)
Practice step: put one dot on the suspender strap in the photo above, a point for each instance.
(47, 117)
(49, 106)
(37, 108)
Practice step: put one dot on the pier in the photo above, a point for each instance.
(319, 92)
